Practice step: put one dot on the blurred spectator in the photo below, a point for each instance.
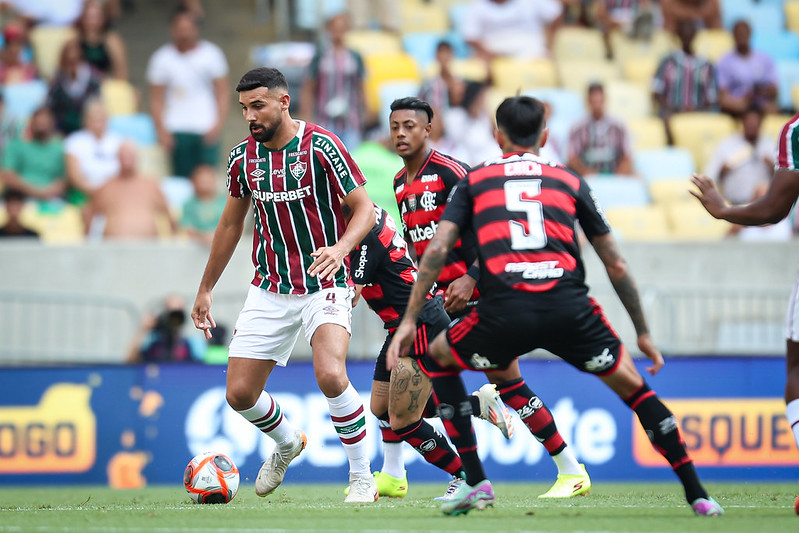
(189, 95)
(13, 66)
(746, 77)
(552, 150)
(47, 12)
(202, 212)
(333, 92)
(380, 164)
(442, 91)
(74, 83)
(9, 127)
(706, 12)
(684, 81)
(385, 12)
(91, 153)
(743, 162)
(36, 166)
(469, 127)
(161, 338)
(103, 48)
(632, 17)
(599, 144)
(129, 203)
(515, 28)
(15, 203)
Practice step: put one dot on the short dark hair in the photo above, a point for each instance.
(14, 194)
(271, 78)
(595, 86)
(414, 104)
(521, 118)
(443, 43)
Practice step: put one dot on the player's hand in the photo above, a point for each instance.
(646, 345)
(201, 313)
(400, 343)
(459, 293)
(708, 194)
(327, 261)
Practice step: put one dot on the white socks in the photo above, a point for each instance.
(266, 416)
(346, 411)
(567, 462)
(792, 414)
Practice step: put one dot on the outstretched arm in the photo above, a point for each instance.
(624, 285)
(768, 209)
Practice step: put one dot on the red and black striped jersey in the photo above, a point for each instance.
(421, 204)
(382, 264)
(524, 210)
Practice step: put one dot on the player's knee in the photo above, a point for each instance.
(440, 352)
(331, 383)
(402, 419)
(239, 398)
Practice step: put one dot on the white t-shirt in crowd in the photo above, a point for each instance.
(190, 105)
(513, 28)
(98, 158)
(49, 12)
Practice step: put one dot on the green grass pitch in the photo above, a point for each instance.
(611, 508)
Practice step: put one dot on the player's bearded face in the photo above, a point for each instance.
(264, 132)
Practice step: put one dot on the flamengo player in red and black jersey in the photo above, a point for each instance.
(524, 210)
(291, 174)
(770, 208)
(423, 189)
(383, 273)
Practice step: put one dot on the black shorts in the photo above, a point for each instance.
(492, 336)
(432, 321)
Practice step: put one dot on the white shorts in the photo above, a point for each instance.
(269, 323)
(792, 319)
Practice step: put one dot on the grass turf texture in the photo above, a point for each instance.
(611, 508)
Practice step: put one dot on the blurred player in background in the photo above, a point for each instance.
(383, 273)
(291, 173)
(523, 210)
(423, 188)
(771, 208)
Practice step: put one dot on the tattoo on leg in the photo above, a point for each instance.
(414, 400)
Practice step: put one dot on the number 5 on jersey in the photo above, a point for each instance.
(520, 196)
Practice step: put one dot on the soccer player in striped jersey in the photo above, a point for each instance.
(524, 210)
(291, 174)
(383, 273)
(774, 206)
(423, 188)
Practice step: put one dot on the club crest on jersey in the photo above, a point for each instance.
(298, 169)
(258, 174)
(428, 201)
(412, 202)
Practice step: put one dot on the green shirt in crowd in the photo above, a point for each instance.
(203, 215)
(39, 164)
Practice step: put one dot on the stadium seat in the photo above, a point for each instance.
(22, 99)
(640, 223)
(417, 16)
(457, 16)
(713, 44)
(572, 42)
(138, 128)
(177, 191)
(700, 133)
(578, 74)
(734, 10)
(422, 46)
(514, 75)
(624, 47)
(119, 97)
(154, 161)
(646, 133)
(640, 69)
(766, 18)
(618, 191)
(663, 163)
(565, 105)
(47, 42)
(777, 44)
(628, 100)
(56, 224)
(690, 222)
(468, 69)
(791, 9)
(772, 125)
(670, 190)
(389, 92)
(787, 79)
(381, 68)
(367, 42)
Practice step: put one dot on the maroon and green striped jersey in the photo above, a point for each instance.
(788, 145)
(295, 195)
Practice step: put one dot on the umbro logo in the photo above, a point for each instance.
(258, 174)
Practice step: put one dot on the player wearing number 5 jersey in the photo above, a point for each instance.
(423, 188)
(524, 210)
(291, 174)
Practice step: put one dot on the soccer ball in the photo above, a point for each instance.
(211, 478)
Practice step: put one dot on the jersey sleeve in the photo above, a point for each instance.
(589, 213)
(788, 145)
(237, 185)
(460, 207)
(342, 171)
(366, 258)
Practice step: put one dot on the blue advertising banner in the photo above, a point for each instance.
(127, 426)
